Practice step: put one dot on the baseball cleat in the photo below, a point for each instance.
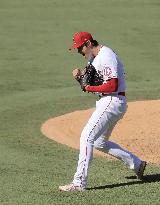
(70, 188)
(141, 169)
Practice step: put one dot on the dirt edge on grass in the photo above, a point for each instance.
(138, 131)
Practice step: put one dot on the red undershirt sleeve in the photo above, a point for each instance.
(108, 87)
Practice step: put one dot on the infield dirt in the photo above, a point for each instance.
(138, 131)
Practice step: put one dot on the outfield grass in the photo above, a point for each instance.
(36, 84)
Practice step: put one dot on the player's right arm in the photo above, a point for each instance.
(107, 87)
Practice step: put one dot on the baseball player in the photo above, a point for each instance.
(104, 76)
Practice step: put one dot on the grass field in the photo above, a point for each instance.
(36, 84)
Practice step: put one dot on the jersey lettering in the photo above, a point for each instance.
(106, 71)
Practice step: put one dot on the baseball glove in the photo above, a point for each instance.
(89, 76)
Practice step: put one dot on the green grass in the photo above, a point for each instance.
(36, 84)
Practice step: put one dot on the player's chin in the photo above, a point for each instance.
(85, 56)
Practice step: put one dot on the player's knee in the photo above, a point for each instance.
(98, 146)
(86, 138)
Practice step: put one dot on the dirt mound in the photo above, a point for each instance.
(138, 131)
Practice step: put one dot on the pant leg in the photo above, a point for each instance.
(102, 144)
(107, 112)
(85, 158)
(93, 129)
(129, 159)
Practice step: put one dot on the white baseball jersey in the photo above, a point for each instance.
(108, 65)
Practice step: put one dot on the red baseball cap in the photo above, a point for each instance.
(80, 38)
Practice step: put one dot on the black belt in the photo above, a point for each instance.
(122, 93)
(114, 94)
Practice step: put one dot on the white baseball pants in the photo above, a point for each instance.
(109, 109)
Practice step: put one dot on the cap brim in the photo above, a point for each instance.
(77, 45)
(74, 47)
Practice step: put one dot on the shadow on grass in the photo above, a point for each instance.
(146, 179)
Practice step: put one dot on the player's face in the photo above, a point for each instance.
(85, 51)
(82, 49)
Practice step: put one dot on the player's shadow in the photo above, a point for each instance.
(146, 179)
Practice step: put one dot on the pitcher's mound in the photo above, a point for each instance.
(138, 131)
